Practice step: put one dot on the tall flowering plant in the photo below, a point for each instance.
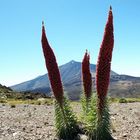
(65, 120)
(96, 114)
(86, 76)
(104, 59)
(51, 65)
(102, 79)
(88, 100)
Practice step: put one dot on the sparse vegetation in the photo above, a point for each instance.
(3, 101)
(35, 102)
(11, 97)
(123, 100)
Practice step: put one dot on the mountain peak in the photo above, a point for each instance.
(72, 61)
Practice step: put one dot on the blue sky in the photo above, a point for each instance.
(72, 26)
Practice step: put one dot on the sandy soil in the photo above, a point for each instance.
(36, 122)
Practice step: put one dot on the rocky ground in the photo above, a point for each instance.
(36, 122)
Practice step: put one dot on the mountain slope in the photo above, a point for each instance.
(120, 85)
(4, 89)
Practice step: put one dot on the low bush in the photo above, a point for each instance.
(122, 100)
(3, 101)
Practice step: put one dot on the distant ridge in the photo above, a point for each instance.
(120, 85)
(4, 89)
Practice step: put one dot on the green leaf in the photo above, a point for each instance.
(65, 121)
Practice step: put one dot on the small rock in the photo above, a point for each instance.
(83, 137)
(14, 134)
(124, 135)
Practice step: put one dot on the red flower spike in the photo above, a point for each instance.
(86, 75)
(104, 59)
(52, 67)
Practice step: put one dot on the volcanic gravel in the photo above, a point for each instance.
(36, 122)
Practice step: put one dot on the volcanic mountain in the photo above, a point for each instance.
(120, 85)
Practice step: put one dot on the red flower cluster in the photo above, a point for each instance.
(104, 59)
(86, 75)
(53, 71)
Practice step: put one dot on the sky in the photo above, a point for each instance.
(72, 26)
